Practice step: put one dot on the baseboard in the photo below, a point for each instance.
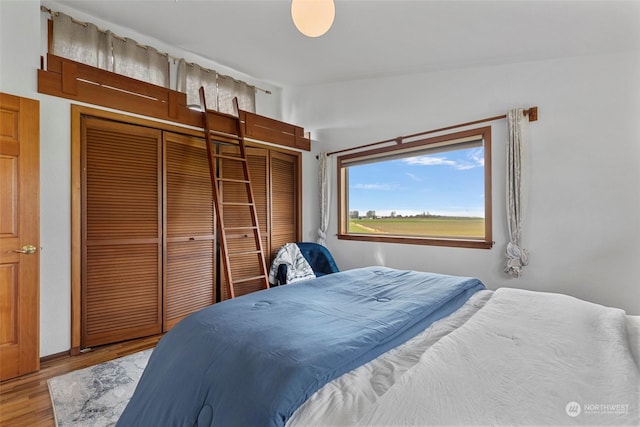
(55, 356)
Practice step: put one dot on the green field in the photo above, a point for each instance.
(431, 227)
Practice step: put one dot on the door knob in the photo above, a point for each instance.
(26, 249)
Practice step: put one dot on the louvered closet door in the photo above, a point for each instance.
(285, 209)
(121, 232)
(190, 253)
(235, 216)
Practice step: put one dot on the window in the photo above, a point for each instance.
(434, 191)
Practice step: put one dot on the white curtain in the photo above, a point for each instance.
(140, 62)
(219, 90)
(517, 165)
(191, 77)
(324, 180)
(86, 43)
(229, 88)
(80, 41)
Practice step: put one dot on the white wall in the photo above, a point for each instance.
(583, 223)
(22, 41)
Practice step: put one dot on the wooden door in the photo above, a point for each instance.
(19, 231)
(285, 201)
(121, 232)
(190, 247)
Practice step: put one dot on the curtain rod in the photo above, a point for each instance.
(51, 12)
(532, 113)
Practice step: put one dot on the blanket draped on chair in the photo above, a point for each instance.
(298, 267)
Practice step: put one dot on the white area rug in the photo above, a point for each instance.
(97, 395)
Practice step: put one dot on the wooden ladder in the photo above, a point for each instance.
(233, 240)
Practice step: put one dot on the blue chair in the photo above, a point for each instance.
(318, 257)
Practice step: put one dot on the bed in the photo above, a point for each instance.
(382, 347)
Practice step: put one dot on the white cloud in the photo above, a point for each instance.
(475, 159)
(429, 161)
(381, 187)
(477, 156)
(465, 166)
(413, 177)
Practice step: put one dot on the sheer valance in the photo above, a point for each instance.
(219, 90)
(86, 43)
(140, 62)
(191, 77)
(81, 42)
(229, 88)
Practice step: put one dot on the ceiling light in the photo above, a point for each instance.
(313, 18)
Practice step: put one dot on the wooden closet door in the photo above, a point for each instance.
(285, 201)
(121, 232)
(190, 251)
(258, 161)
(259, 167)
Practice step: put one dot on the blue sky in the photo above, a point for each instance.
(448, 183)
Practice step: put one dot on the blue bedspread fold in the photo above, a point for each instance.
(253, 360)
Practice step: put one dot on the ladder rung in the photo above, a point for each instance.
(238, 236)
(248, 279)
(219, 133)
(246, 227)
(223, 156)
(243, 253)
(224, 135)
(243, 181)
(236, 203)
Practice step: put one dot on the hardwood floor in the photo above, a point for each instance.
(25, 401)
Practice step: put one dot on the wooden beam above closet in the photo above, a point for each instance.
(68, 79)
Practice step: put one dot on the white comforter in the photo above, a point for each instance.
(508, 357)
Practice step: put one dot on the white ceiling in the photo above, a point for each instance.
(376, 38)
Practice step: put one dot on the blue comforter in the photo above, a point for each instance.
(253, 360)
